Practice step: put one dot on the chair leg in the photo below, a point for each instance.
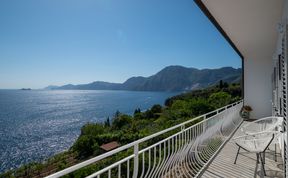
(262, 163)
(237, 155)
(275, 155)
(256, 166)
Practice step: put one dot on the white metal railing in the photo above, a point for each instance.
(185, 150)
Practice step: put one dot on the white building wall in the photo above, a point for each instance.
(257, 85)
(257, 78)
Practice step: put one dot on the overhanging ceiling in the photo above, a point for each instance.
(251, 25)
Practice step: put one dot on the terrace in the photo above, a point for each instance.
(202, 146)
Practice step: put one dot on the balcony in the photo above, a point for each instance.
(200, 147)
(185, 150)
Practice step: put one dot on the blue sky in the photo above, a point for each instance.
(45, 42)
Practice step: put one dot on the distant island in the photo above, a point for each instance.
(26, 89)
(171, 78)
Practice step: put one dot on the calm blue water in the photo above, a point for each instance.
(37, 124)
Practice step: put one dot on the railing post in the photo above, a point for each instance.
(136, 160)
(204, 123)
(182, 128)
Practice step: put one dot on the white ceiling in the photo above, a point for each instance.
(250, 24)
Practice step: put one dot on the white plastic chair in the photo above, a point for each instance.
(267, 124)
(256, 143)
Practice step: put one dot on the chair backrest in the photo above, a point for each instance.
(266, 124)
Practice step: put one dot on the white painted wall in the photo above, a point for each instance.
(257, 84)
(258, 68)
(257, 81)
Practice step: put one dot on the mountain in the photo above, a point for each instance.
(171, 78)
(51, 87)
(99, 85)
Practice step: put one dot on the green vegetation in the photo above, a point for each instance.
(124, 129)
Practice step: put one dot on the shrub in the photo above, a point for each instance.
(157, 108)
(121, 121)
(220, 99)
(92, 129)
(199, 107)
(84, 146)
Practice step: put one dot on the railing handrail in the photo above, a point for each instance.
(137, 142)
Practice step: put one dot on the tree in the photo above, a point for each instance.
(148, 114)
(121, 121)
(84, 146)
(157, 108)
(96, 149)
(92, 129)
(117, 114)
(137, 111)
(137, 114)
(169, 101)
(199, 106)
(219, 99)
(225, 85)
(221, 84)
(179, 108)
(107, 122)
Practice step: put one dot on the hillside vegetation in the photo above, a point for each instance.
(125, 128)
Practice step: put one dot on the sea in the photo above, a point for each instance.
(37, 124)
